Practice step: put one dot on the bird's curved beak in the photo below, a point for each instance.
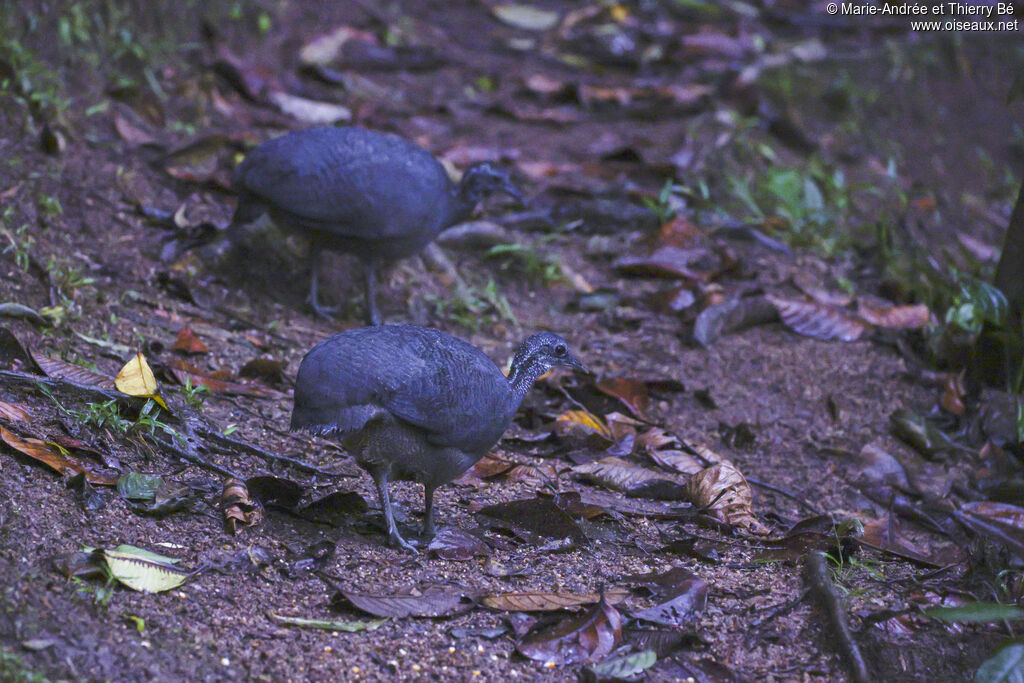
(576, 364)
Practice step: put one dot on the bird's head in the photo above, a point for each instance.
(541, 352)
(484, 179)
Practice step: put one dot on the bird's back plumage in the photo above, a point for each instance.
(349, 182)
(437, 383)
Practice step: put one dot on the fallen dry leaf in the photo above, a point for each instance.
(136, 378)
(433, 601)
(588, 637)
(452, 543)
(618, 474)
(217, 381)
(891, 316)
(632, 393)
(953, 392)
(678, 461)
(15, 412)
(547, 601)
(819, 321)
(57, 458)
(723, 490)
(188, 342)
(573, 419)
(61, 369)
(239, 510)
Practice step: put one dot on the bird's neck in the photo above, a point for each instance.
(521, 377)
(461, 205)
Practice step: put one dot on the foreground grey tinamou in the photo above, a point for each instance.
(415, 403)
(373, 195)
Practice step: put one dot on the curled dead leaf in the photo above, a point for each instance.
(239, 509)
(724, 491)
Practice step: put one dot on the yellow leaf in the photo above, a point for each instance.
(587, 420)
(136, 379)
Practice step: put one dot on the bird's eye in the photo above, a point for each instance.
(560, 350)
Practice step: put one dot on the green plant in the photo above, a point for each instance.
(13, 670)
(101, 594)
(106, 414)
(194, 395)
(472, 306)
(536, 267)
(663, 206)
(20, 244)
(50, 205)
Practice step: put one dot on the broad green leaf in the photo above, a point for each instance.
(138, 486)
(975, 612)
(143, 570)
(328, 624)
(624, 667)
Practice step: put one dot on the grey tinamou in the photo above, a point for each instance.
(369, 194)
(415, 403)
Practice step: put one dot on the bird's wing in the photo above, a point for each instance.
(454, 394)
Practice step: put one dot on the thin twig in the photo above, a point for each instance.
(227, 442)
(784, 492)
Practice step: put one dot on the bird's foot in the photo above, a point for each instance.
(396, 541)
(325, 312)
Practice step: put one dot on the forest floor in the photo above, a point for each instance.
(767, 309)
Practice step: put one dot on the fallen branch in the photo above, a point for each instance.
(821, 587)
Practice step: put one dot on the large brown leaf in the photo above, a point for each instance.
(632, 393)
(688, 596)
(58, 458)
(546, 601)
(217, 381)
(434, 601)
(534, 519)
(813, 319)
(60, 369)
(618, 474)
(588, 637)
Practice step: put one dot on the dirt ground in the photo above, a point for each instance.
(917, 124)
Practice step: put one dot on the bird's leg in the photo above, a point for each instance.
(370, 288)
(428, 511)
(314, 285)
(395, 540)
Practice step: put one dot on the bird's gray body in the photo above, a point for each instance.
(415, 403)
(348, 189)
(423, 403)
(373, 195)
